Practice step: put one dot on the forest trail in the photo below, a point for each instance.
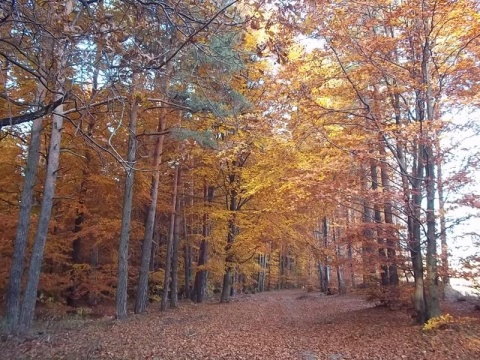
(290, 324)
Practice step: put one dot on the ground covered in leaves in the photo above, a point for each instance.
(289, 324)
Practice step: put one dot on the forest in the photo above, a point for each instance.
(160, 155)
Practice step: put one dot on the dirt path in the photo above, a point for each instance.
(275, 325)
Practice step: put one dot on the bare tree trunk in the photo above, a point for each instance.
(168, 260)
(269, 270)
(350, 251)
(187, 252)
(175, 245)
(326, 277)
(413, 200)
(262, 261)
(122, 281)
(443, 226)
(232, 232)
(384, 276)
(388, 215)
(201, 276)
(141, 301)
(433, 301)
(341, 285)
(369, 267)
(227, 276)
(432, 298)
(30, 295)
(318, 235)
(80, 216)
(352, 268)
(12, 307)
(282, 268)
(415, 244)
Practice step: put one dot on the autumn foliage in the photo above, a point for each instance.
(217, 150)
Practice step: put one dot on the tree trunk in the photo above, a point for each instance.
(352, 268)
(141, 301)
(281, 268)
(368, 258)
(227, 277)
(341, 285)
(175, 245)
(384, 276)
(443, 225)
(187, 254)
(433, 301)
(262, 261)
(12, 307)
(388, 215)
(350, 251)
(80, 216)
(30, 296)
(168, 260)
(232, 232)
(269, 270)
(122, 281)
(326, 277)
(53, 160)
(413, 199)
(415, 245)
(201, 276)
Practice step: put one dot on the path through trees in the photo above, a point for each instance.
(290, 324)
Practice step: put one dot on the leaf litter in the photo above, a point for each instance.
(287, 324)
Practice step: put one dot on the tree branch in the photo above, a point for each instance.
(20, 119)
(190, 38)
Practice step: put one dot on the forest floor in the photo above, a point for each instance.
(290, 324)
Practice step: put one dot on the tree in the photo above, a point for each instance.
(127, 202)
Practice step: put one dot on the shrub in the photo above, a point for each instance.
(439, 322)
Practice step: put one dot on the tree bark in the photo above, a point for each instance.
(122, 281)
(168, 260)
(141, 301)
(368, 258)
(350, 251)
(433, 301)
(388, 215)
(341, 285)
(415, 243)
(384, 276)
(30, 295)
(232, 231)
(201, 276)
(13, 301)
(443, 225)
(227, 276)
(175, 246)
(187, 254)
(326, 276)
(77, 244)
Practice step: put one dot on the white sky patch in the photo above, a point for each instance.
(309, 43)
(461, 237)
